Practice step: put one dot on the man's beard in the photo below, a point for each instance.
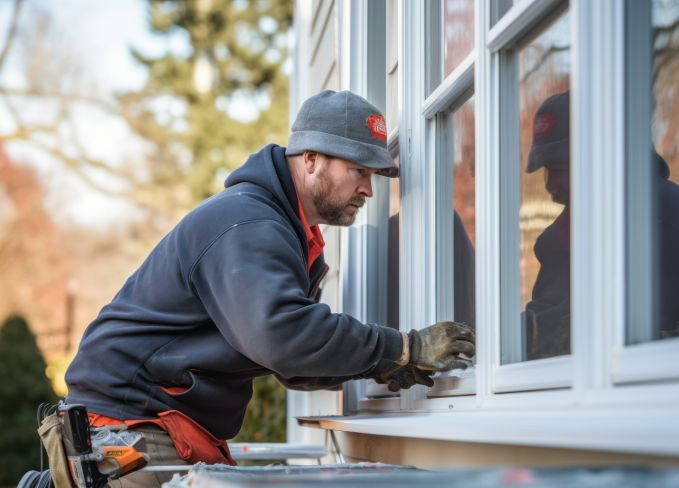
(332, 210)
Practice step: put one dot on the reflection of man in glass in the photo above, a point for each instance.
(668, 234)
(463, 265)
(464, 280)
(548, 313)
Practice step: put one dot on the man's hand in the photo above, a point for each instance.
(437, 347)
(405, 377)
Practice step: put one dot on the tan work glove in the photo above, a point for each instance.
(437, 347)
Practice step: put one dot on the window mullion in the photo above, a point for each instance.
(444, 224)
(511, 336)
(487, 207)
(415, 292)
(597, 149)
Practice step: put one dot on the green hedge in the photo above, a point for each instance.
(265, 419)
(23, 386)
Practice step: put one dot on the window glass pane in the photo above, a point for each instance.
(665, 133)
(660, 190)
(544, 215)
(455, 230)
(464, 213)
(393, 251)
(458, 32)
(499, 8)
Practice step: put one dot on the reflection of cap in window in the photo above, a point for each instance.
(551, 145)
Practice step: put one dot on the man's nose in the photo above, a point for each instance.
(366, 187)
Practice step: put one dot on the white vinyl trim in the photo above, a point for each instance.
(387, 404)
(455, 402)
(514, 24)
(597, 217)
(455, 88)
(416, 290)
(651, 361)
(487, 204)
(534, 375)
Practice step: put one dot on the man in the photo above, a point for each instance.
(231, 294)
(548, 313)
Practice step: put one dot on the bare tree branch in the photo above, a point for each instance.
(64, 97)
(10, 108)
(543, 58)
(665, 54)
(665, 29)
(11, 32)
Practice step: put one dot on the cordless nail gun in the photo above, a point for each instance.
(97, 455)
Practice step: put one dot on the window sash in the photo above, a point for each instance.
(539, 374)
(519, 21)
(651, 361)
(511, 372)
(453, 91)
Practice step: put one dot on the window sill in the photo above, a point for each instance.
(647, 431)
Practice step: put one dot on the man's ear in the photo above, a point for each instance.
(311, 161)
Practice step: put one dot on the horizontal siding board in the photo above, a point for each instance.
(321, 31)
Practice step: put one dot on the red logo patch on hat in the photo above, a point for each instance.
(377, 126)
(544, 125)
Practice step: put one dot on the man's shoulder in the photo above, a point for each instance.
(234, 205)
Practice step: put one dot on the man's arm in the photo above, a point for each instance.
(313, 384)
(253, 282)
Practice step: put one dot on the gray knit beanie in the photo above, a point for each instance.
(343, 125)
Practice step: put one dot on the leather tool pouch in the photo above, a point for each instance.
(50, 435)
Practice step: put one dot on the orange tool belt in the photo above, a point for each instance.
(192, 441)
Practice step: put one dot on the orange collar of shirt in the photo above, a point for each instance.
(314, 238)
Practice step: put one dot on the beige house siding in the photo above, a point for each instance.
(323, 41)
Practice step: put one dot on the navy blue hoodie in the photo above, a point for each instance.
(223, 298)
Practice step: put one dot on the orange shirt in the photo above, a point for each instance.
(314, 237)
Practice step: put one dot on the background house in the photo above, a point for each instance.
(588, 377)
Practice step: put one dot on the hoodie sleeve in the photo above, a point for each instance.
(253, 282)
(313, 384)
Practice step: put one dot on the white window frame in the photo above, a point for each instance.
(455, 90)
(522, 19)
(364, 260)
(605, 395)
(648, 360)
